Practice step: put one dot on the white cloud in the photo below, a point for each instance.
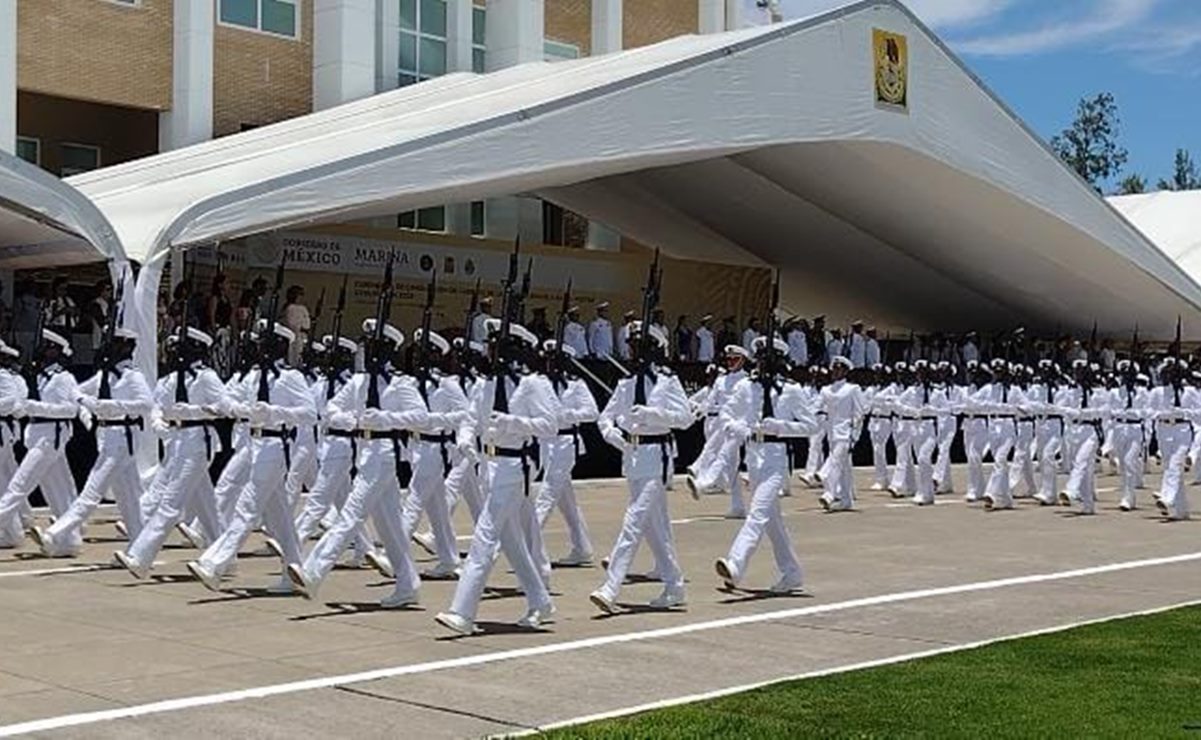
(1105, 19)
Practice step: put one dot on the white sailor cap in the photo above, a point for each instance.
(656, 334)
(920, 364)
(999, 364)
(878, 367)
(602, 304)
(196, 336)
(318, 346)
(280, 330)
(1096, 368)
(391, 333)
(55, 338)
(1142, 378)
(840, 360)
(1045, 363)
(778, 344)
(551, 345)
(900, 366)
(436, 339)
(972, 364)
(706, 317)
(10, 351)
(343, 343)
(515, 330)
(1123, 365)
(736, 349)
(951, 369)
(122, 332)
(1078, 364)
(573, 309)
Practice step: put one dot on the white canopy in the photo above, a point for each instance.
(1170, 220)
(47, 223)
(762, 146)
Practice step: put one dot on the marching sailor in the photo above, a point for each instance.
(844, 405)
(13, 391)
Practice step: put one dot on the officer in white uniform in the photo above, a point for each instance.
(600, 333)
(844, 405)
(716, 468)
(479, 323)
(13, 392)
(638, 421)
(767, 424)
(1128, 411)
(705, 340)
(574, 335)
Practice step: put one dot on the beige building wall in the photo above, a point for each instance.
(124, 50)
(644, 21)
(259, 78)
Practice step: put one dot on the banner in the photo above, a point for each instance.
(891, 54)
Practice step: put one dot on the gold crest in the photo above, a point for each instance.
(891, 53)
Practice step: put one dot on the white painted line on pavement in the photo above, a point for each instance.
(905, 658)
(52, 571)
(325, 682)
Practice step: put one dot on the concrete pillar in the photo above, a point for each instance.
(606, 26)
(190, 120)
(711, 16)
(733, 15)
(458, 35)
(387, 45)
(515, 35)
(343, 51)
(8, 78)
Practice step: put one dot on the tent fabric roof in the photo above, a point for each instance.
(44, 222)
(1169, 219)
(762, 146)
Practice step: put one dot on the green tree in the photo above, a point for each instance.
(1184, 174)
(1133, 184)
(1090, 145)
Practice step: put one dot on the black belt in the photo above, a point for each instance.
(283, 435)
(442, 440)
(128, 423)
(10, 422)
(768, 439)
(664, 442)
(188, 423)
(343, 433)
(371, 434)
(525, 454)
(574, 432)
(58, 429)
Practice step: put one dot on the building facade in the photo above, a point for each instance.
(93, 83)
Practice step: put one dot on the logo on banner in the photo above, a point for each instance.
(891, 52)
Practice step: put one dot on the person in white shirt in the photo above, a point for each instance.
(479, 323)
(969, 351)
(296, 318)
(623, 335)
(574, 335)
(871, 350)
(751, 334)
(835, 346)
(798, 343)
(600, 333)
(704, 340)
(856, 346)
(845, 406)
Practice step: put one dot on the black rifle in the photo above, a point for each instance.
(556, 361)
(107, 352)
(767, 366)
(268, 336)
(473, 310)
(383, 311)
(33, 366)
(336, 336)
(524, 294)
(650, 299)
(316, 320)
(181, 355)
(422, 366)
(500, 401)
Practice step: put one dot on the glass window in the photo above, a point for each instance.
(478, 17)
(408, 15)
(477, 60)
(76, 158)
(406, 220)
(432, 219)
(408, 52)
(279, 16)
(403, 80)
(433, 17)
(433, 57)
(240, 12)
(29, 149)
(478, 214)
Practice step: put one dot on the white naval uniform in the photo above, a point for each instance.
(1174, 411)
(48, 427)
(576, 407)
(116, 468)
(994, 400)
(479, 327)
(182, 484)
(716, 468)
(446, 427)
(879, 429)
(1127, 410)
(904, 428)
(1084, 408)
(646, 466)
(376, 489)
(1044, 399)
(288, 407)
(947, 426)
(975, 441)
(871, 353)
(575, 337)
(920, 404)
(845, 406)
(1021, 470)
(463, 483)
(815, 456)
(748, 339)
(505, 474)
(798, 348)
(235, 476)
(857, 350)
(767, 460)
(600, 338)
(705, 350)
(623, 341)
(306, 442)
(13, 392)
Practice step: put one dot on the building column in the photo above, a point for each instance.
(8, 78)
(387, 45)
(711, 16)
(606, 26)
(190, 120)
(733, 15)
(343, 51)
(458, 35)
(514, 35)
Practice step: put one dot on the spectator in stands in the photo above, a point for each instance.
(683, 340)
(296, 317)
(751, 334)
(60, 312)
(96, 315)
(539, 325)
(727, 335)
(218, 315)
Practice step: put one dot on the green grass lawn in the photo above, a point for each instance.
(1134, 678)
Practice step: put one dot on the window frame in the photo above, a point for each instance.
(481, 47)
(64, 144)
(37, 144)
(258, 28)
(417, 34)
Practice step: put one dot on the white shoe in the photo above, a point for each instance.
(194, 539)
(381, 563)
(276, 549)
(535, 618)
(455, 623)
(135, 569)
(441, 572)
(399, 600)
(786, 586)
(425, 540)
(43, 540)
(122, 529)
(602, 602)
(669, 599)
(877, 486)
(208, 578)
(575, 558)
(1126, 505)
(1064, 499)
(726, 573)
(304, 585)
(920, 501)
(692, 488)
(282, 587)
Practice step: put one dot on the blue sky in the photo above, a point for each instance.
(1041, 56)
